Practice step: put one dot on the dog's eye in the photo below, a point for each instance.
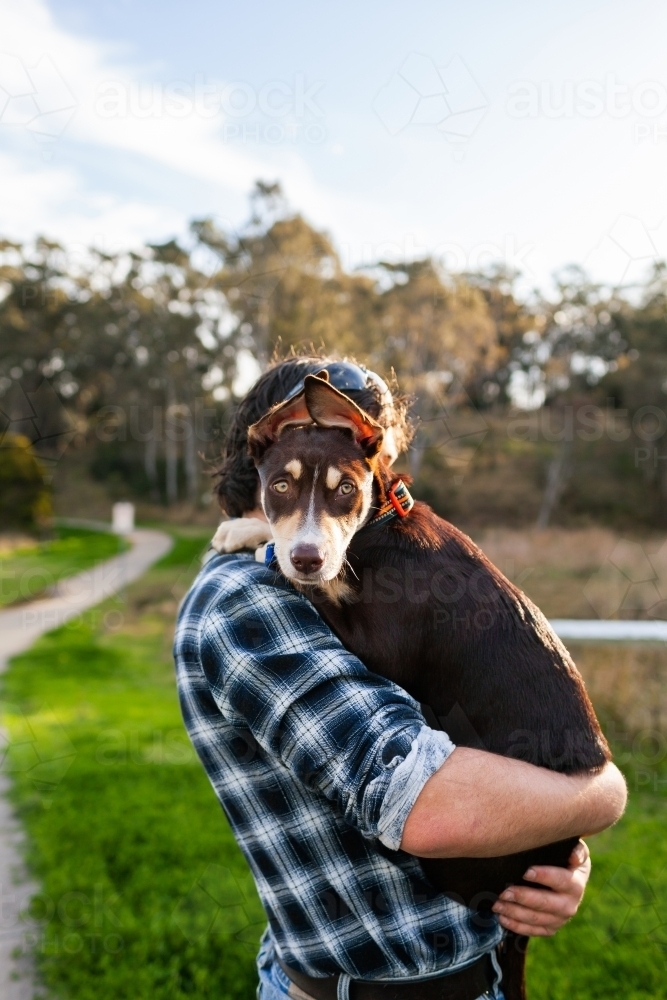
(346, 488)
(281, 486)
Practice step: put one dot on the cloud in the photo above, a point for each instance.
(48, 200)
(555, 185)
(67, 196)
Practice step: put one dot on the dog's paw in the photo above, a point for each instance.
(241, 533)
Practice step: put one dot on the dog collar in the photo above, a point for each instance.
(399, 503)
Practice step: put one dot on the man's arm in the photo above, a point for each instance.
(480, 805)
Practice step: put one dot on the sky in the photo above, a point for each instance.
(525, 133)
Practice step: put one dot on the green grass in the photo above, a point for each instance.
(617, 944)
(145, 894)
(27, 572)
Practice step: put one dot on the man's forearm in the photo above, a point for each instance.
(481, 805)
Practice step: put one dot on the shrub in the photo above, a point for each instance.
(25, 499)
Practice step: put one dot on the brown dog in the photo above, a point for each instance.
(419, 603)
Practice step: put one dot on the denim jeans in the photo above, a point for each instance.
(275, 985)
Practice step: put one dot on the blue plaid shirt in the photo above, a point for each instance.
(317, 763)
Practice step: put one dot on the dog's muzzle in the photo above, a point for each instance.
(306, 559)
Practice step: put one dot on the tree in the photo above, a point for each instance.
(436, 326)
(638, 384)
(25, 498)
(128, 342)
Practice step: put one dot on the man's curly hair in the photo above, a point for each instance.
(237, 478)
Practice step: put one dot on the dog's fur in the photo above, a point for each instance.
(419, 603)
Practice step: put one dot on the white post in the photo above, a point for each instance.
(122, 518)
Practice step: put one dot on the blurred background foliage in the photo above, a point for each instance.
(25, 498)
(530, 408)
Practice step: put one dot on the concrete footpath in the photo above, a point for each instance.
(19, 628)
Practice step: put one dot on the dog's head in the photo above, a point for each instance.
(317, 456)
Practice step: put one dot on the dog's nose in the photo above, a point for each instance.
(306, 558)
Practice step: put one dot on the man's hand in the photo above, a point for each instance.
(540, 912)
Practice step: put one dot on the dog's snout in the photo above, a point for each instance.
(306, 558)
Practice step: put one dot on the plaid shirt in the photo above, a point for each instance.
(316, 762)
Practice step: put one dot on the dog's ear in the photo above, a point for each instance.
(291, 413)
(330, 408)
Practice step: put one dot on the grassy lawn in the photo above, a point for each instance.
(617, 944)
(27, 571)
(145, 894)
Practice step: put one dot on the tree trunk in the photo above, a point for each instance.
(191, 457)
(557, 476)
(150, 465)
(416, 456)
(171, 450)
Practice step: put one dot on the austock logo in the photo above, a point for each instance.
(80, 920)
(446, 98)
(35, 98)
(627, 249)
(630, 904)
(449, 424)
(631, 582)
(37, 414)
(275, 112)
(38, 750)
(221, 903)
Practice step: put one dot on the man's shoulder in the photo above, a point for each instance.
(229, 571)
(224, 580)
(225, 575)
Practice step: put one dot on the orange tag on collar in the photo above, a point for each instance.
(402, 511)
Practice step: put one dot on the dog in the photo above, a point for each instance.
(419, 603)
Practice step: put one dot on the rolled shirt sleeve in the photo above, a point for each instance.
(279, 674)
(428, 753)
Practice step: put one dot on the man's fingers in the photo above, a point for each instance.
(564, 904)
(560, 880)
(560, 911)
(541, 912)
(580, 855)
(567, 886)
(528, 930)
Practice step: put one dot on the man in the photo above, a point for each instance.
(333, 783)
